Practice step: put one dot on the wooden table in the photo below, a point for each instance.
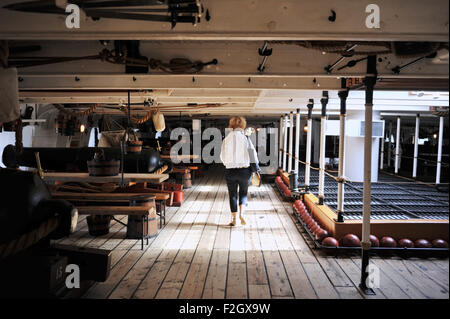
(140, 211)
(160, 198)
(85, 177)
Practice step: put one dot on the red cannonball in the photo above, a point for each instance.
(301, 213)
(315, 228)
(311, 223)
(439, 243)
(405, 243)
(374, 241)
(387, 241)
(330, 242)
(306, 218)
(351, 240)
(321, 234)
(422, 243)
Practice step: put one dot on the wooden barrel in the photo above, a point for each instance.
(98, 225)
(187, 180)
(103, 168)
(134, 225)
(134, 147)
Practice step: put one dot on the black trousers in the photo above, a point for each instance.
(237, 177)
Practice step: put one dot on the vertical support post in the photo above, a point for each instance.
(297, 140)
(323, 123)
(280, 143)
(340, 200)
(308, 145)
(389, 154)
(383, 140)
(439, 156)
(416, 146)
(397, 146)
(291, 141)
(369, 82)
(285, 143)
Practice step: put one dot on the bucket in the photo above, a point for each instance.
(134, 225)
(133, 147)
(98, 225)
(178, 196)
(186, 180)
(103, 168)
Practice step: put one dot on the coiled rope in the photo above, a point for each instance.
(28, 239)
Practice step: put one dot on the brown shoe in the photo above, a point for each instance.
(243, 223)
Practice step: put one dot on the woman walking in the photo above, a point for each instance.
(237, 153)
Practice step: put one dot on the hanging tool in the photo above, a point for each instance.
(398, 68)
(265, 53)
(347, 54)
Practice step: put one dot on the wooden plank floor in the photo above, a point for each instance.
(196, 255)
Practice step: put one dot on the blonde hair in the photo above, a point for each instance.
(237, 122)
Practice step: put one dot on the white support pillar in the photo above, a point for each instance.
(439, 156)
(291, 141)
(340, 199)
(297, 140)
(367, 196)
(285, 142)
(280, 143)
(416, 146)
(397, 146)
(308, 144)
(323, 123)
(383, 140)
(367, 173)
(389, 152)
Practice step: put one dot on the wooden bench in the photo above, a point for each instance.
(112, 210)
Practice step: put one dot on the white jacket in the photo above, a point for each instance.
(234, 151)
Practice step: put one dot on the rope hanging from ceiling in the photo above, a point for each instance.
(137, 120)
(76, 114)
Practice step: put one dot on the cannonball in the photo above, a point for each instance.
(301, 213)
(315, 228)
(307, 218)
(374, 241)
(321, 234)
(405, 243)
(311, 223)
(351, 240)
(330, 242)
(422, 243)
(439, 243)
(387, 241)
